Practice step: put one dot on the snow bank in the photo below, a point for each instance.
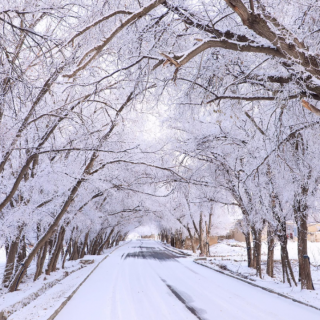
(230, 257)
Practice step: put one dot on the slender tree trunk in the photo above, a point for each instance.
(11, 256)
(177, 240)
(287, 272)
(247, 236)
(51, 242)
(68, 249)
(53, 250)
(167, 238)
(36, 274)
(270, 258)
(193, 247)
(201, 240)
(95, 244)
(75, 252)
(208, 232)
(288, 263)
(304, 263)
(85, 242)
(40, 261)
(172, 241)
(105, 242)
(52, 265)
(118, 239)
(22, 252)
(113, 241)
(256, 233)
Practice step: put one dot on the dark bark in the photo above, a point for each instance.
(75, 251)
(208, 232)
(267, 27)
(21, 253)
(270, 258)
(118, 239)
(256, 257)
(201, 240)
(106, 242)
(193, 247)
(8, 271)
(96, 242)
(84, 245)
(172, 241)
(68, 249)
(287, 272)
(249, 248)
(167, 238)
(51, 242)
(40, 261)
(304, 264)
(52, 264)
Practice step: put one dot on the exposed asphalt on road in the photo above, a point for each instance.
(143, 281)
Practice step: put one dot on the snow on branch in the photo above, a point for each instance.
(97, 49)
(228, 45)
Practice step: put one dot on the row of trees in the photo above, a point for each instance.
(109, 108)
(246, 88)
(68, 128)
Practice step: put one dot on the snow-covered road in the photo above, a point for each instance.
(143, 281)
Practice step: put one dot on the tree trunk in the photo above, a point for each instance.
(52, 264)
(96, 242)
(68, 249)
(22, 253)
(167, 238)
(40, 261)
(270, 259)
(287, 272)
(172, 241)
(304, 263)
(118, 239)
(11, 256)
(85, 242)
(105, 242)
(208, 231)
(249, 249)
(75, 252)
(201, 240)
(256, 234)
(193, 247)
(51, 242)
(178, 239)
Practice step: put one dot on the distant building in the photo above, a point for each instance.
(313, 231)
(292, 233)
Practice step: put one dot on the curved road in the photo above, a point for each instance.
(143, 281)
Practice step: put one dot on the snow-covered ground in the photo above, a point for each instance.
(39, 299)
(230, 257)
(237, 250)
(144, 281)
